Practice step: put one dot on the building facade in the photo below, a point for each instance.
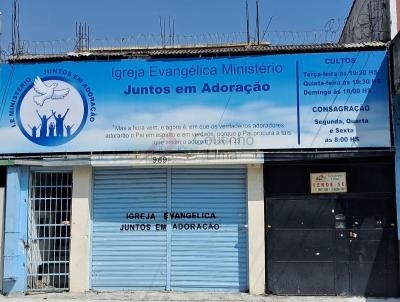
(237, 168)
(371, 20)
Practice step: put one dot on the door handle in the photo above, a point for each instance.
(243, 226)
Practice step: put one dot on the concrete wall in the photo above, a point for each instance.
(395, 67)
(396, 119)
(369, 20)
(255, 189)
(80, 229)
(394, 16)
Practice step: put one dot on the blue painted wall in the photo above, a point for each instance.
(15, 230)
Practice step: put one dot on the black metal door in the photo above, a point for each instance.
(372, 246)
(331, 246)
(341, 244)
(300, 246)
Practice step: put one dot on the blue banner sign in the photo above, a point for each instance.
(290, 101)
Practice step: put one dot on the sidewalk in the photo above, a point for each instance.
(179, 297)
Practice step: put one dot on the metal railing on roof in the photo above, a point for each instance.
(62, 46)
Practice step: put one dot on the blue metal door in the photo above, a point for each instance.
(209, 246)
(128, 253)
(170, 229)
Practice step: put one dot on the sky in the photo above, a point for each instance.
(43, 20)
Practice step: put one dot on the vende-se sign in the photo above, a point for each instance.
(333, 182)
(292, 101)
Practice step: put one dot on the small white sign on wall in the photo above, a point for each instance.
(332, 182)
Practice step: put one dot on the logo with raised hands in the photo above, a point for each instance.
(51, 111)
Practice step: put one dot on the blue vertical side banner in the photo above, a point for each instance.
(396, 121)
(15, 230)
(298, 102)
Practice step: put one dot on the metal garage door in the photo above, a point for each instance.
(332, 244)
(127, 251)
(214, 258)
(170, 229)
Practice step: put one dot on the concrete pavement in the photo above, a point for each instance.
(178, 297)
